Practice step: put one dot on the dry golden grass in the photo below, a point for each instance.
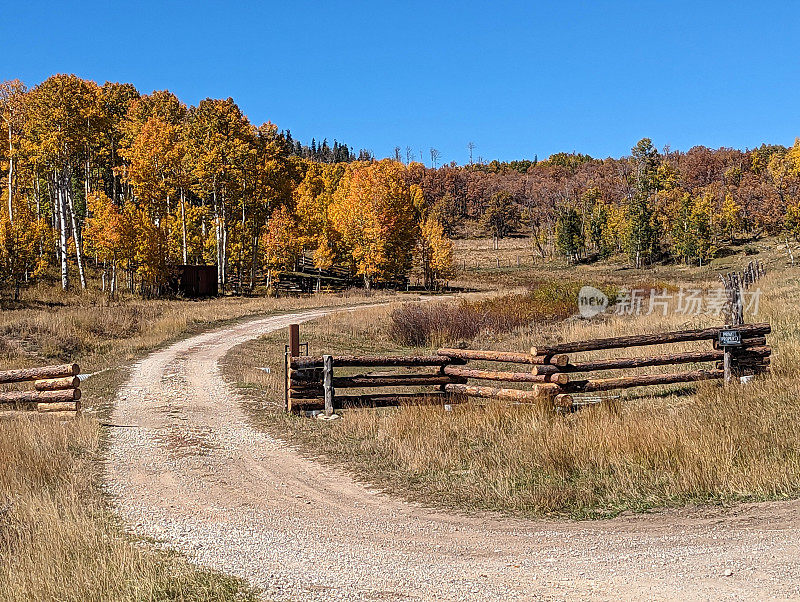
(102, 333)
(58, 539)
(517, 263)
(656, 447)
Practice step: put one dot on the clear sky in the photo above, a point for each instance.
(517, 78)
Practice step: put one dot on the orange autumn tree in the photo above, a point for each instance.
(23, 244)
(107, 237)
(374, 213)
(435, 251)
(313, 197)
(279, 243)
(155, 169)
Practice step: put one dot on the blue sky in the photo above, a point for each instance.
(517, 78)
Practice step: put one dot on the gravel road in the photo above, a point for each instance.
(186, 468)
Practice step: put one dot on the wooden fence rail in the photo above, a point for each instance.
(639, 340)
(510, 357)
(369, 361)
(55, 388)
(312, 385)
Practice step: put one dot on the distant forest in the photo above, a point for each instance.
(133, 184)
(324, 153)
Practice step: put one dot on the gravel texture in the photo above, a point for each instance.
(187, 469)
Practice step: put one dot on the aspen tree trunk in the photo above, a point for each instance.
(54, 200)
(113, 174)
(62, 232)
(224, 245)
(38, 200)
(240, 266)
(218, 236)
(86, 177)
(253, 263)
(10, 173)
(183, 226)
(77, 238)
(167, 232)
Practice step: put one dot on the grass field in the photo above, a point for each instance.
(665, 446)
(59, 539)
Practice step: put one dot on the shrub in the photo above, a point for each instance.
(426, 324)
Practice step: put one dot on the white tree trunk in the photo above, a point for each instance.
(77, 238)
(183, 226)
(62, 232)
(254, 261)
(10, 173)
(224, 256)
(218, 236)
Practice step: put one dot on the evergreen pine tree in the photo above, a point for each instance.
(643, 239)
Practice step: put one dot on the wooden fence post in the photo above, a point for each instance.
(294, 340)
(726, 365)
(327, 383)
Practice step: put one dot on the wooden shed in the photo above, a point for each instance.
(197, 280)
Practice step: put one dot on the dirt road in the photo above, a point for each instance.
(186, 468)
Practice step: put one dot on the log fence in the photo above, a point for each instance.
(735, 284)
(314, 382)
(56, 389)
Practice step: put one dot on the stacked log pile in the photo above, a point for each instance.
(56, 389)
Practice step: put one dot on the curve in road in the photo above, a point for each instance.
(187, 468)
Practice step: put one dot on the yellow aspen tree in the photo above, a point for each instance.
(156, 158)
(115, 101)
(701, 220)
(279, 243)
(220, 141)
(150, 252)
(435, 252)
(105, 236)
(616, 226)
(729, 219)
(373, 212)
(21, 244)
(12, 107)
(57, 136)
(313, 197)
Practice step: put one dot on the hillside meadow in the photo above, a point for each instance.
(640, 449)
(58, 533)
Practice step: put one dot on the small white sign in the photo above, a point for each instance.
(730, 338)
